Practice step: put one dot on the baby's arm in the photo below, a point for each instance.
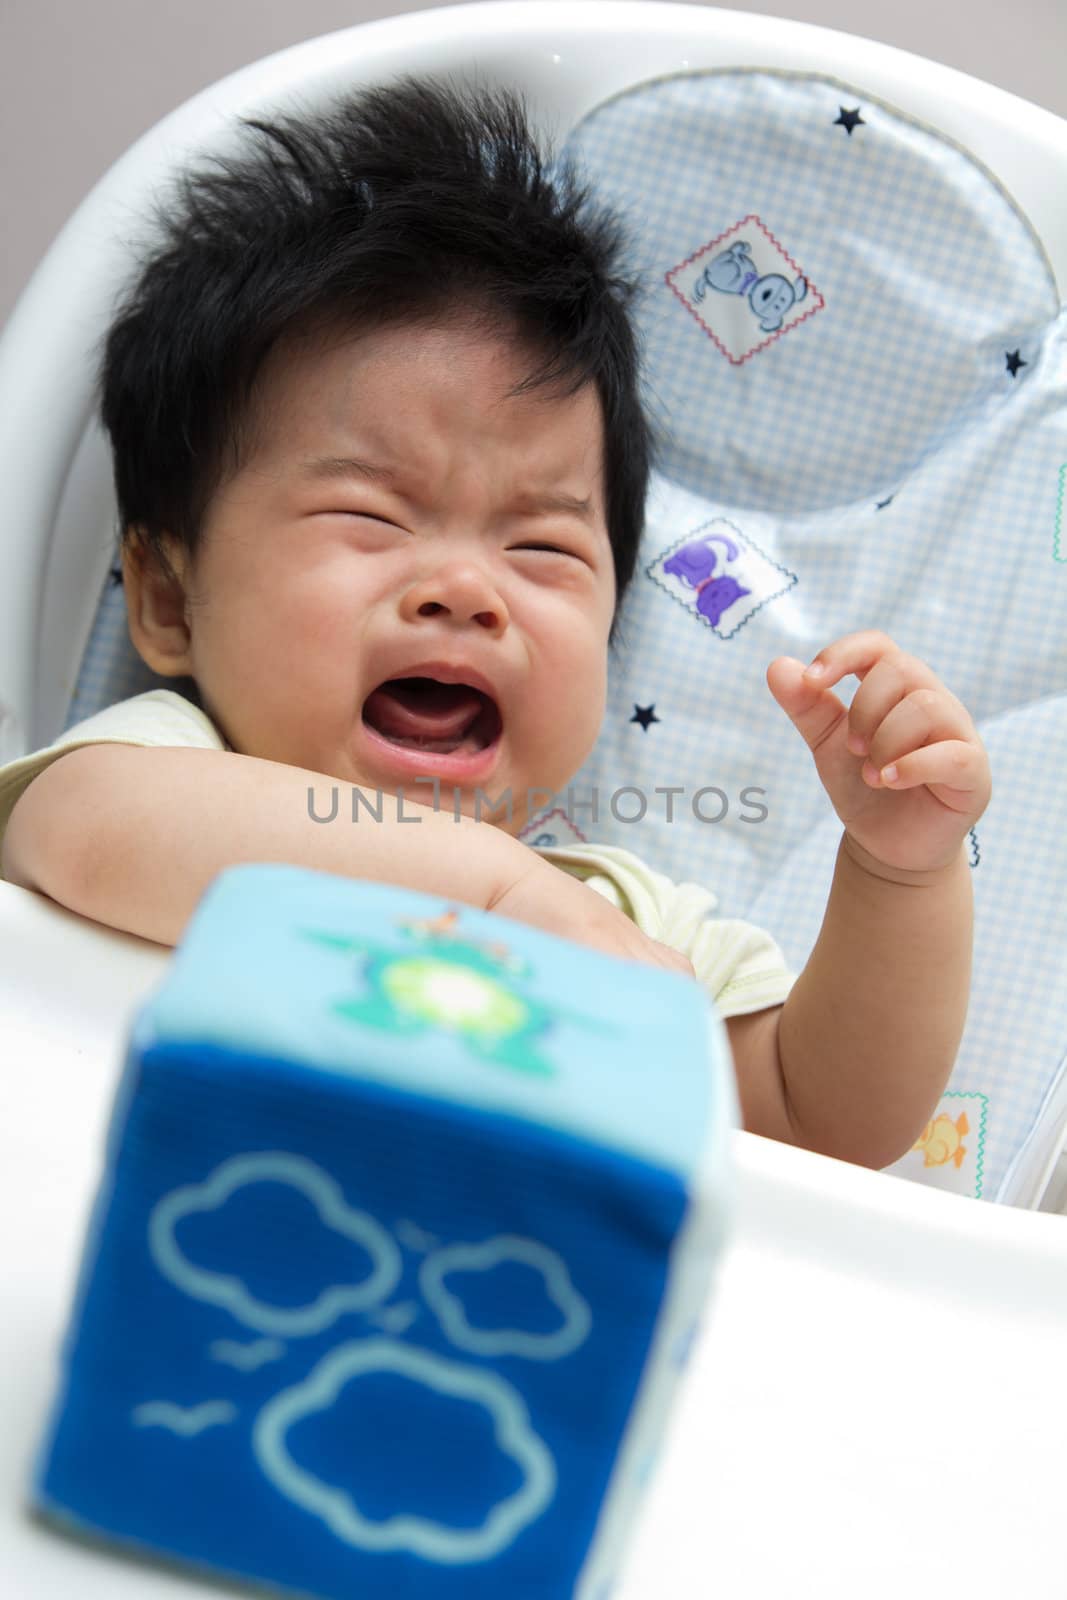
(868, 1035)
(131, 836)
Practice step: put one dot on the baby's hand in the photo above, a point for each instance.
(902, 717)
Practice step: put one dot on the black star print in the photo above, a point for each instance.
(849, 120)
(880, 505)
(644, 715)
(114, 577)
(1014, 362)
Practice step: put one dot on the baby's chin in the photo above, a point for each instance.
(491, 804)
(507, 802)
(491, 807)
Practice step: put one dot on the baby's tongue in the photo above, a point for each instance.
(423, 712)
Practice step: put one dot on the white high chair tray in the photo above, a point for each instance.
(875, 1406)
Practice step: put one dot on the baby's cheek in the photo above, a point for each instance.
(274, 694)
(577, 725)
(315, 604)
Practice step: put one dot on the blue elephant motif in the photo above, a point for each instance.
(770, 297)
(695, 564)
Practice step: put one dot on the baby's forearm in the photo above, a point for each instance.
(870, 1031)
(132, 836)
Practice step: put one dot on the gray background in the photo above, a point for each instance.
(81, 80)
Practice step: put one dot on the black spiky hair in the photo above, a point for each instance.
(409, 201)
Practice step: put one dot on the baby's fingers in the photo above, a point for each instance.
(955, 769)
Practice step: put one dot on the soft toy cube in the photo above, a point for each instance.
(408, 1215)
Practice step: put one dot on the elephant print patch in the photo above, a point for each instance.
(745, 290)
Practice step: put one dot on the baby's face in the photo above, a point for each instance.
(315, 587)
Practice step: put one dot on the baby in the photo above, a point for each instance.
(380, 461)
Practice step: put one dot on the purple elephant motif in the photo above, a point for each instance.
(695, 564)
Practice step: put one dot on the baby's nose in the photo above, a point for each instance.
(463, 591)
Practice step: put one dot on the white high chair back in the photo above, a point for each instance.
(926, 128)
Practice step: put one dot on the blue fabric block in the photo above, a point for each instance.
(408, 1215)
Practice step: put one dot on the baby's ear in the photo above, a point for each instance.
(156, 604)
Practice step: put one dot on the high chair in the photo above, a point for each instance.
(857, 353)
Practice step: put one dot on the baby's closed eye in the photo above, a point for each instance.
(552, 549)
(361, 516)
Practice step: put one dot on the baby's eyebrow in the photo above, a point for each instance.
(319, 468)
(343, 467)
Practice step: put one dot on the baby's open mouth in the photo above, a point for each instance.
(423, 714)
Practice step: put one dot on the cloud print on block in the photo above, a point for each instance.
(433, 1541)
(221, 1289)
(451, 1312)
